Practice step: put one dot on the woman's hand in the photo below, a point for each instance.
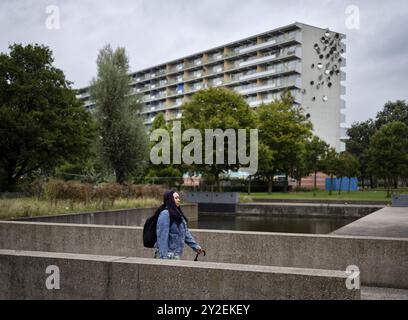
(200, 250)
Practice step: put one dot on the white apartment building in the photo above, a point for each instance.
(304, 59)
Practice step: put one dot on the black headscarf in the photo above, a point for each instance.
(176, 214)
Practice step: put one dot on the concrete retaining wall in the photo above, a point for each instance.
(126, 217)
(306, 209)
(23, 276)
(358, 202)
(382, 261)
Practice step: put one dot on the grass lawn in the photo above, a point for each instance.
(28, 207)
(374, 195)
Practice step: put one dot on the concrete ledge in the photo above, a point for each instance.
(382, 261)
(122, 217)
(23, 276)
(306, 209)
(325, 201)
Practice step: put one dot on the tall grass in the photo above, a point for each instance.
(29, 207)
(104, 194)
(58, 196)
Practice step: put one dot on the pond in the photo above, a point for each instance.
(222, 221)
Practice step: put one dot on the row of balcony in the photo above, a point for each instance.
(220, 81)
(253, 102)
(255, 61)
(273, 42)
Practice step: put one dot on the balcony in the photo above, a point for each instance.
(256, 88)
(255, 103)
(193, 64)
(343, 133)
(258, 60)
(273, 42)
(273, 71)
(141, 78)
(155, 97)
(217, 57)
(271, 86)
(162, 108)
(342, 104)
(342, 118)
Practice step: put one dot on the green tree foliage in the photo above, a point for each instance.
(169, 174)
(283, 129)
(351, 166)
(392, 111)
(330, 166)
(359, 140)
(123, 144)
(266, 167)
(316, 154)
(388, 153)
(217, 108)
(42, 124)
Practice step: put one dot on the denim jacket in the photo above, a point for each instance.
(171, 237)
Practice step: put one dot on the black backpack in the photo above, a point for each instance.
(149, 231)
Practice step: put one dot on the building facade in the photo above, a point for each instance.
(304, 59)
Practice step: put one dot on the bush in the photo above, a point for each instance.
(104, 193)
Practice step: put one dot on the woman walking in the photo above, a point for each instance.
(172, 231)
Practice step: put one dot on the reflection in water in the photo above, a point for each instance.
(269, 224)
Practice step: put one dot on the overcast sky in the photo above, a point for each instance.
(156, 31)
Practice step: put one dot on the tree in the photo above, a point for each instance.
(392, 111)
(123, 141)
(357, 144)
(388, 153)
(217, 108)
(330, 166)
(351, 166)
(316, 153)
(300, 170)
(265, 165)
(42, 124)
(283, 128)
(169, 174)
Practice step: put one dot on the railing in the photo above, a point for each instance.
(273, 42)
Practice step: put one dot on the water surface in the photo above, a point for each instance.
(222, 221)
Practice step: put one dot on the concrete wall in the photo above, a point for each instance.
(23, 276)
(382, 261)
(358, 202)
(126, 217)
(306, 210)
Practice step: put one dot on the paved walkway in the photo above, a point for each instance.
(387, 222)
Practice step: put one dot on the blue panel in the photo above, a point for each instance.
(344, 184)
